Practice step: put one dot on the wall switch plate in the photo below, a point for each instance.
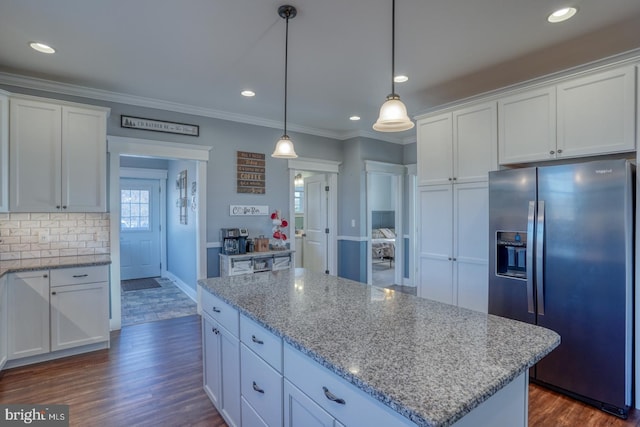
(353, 222)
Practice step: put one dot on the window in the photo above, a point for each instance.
(134, 210)
(298, 201)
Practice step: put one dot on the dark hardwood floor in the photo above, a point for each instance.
(152, 376)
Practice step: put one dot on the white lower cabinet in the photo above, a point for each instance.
(221, 356)
(340, 399)
(55, 310)
(261, 387)
(3, 322)
(301, 411)
(28, 322)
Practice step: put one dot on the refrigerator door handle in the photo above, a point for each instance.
(539, 258)
(530, 221)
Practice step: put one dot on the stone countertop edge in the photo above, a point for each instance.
(51, 263)
(416, 416)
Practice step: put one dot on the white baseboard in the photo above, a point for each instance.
(189, 291)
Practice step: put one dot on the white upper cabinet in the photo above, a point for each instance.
(596, 114)
(475, 142)
(435, 150)
(590, 115)
(57, 157)
(459, 146)
(527, 126)
(4, 151)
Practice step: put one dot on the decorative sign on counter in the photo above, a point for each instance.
(159, 126)
(237, 210)
(251, 172)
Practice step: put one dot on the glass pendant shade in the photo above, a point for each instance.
(284, 148)
(393, 116)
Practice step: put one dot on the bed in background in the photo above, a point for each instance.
(383, 236)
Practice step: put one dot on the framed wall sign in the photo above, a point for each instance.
(250, 173)
(242, 210)
(159, 126)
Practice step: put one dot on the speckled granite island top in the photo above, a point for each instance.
(431, 362)
(32, 264)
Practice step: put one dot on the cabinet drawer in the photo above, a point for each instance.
(220, 311)
(264, 343)
(79, 275)
(249, 415)
(261, 386)
(350, 405)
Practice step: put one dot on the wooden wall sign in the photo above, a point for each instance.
(250, 173)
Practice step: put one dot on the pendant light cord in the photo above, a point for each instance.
(286, 66)
(393, 46)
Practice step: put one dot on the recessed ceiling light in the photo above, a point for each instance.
(562, 14)
(400, 79)
(248, 93)
(354, 118)
(41, 47)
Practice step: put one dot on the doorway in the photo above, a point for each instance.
(385, 252)
(314, 201)
(141, 148)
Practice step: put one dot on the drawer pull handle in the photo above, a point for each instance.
(332, 397)
(77, 276)
(256, 340)
(256, 388)
(215, 309)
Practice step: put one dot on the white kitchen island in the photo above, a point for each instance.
(297, 348)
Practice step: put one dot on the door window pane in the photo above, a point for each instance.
(134, 210)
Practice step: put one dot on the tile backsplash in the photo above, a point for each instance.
(39, 235)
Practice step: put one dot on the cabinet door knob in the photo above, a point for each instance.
(256, 388)
(215, 309)
(64, 207)
(45, 275)
(454, 178)
(256, 340)
(57, 206)
(552, 152)
(53, 293)
(332, 397)
(450, 179)
(559, 150)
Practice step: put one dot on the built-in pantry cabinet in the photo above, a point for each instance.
(456, 150)
(590, 115)
(57, 156)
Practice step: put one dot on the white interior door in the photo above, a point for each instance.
(139, 228)
(315, 223)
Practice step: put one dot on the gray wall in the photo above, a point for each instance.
(181, 238)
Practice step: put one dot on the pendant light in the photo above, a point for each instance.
(284, 146)
(393, 113)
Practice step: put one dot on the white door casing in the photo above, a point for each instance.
(331, 169)
(140, 242)
(314, 239)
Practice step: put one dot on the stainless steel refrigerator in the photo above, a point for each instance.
(561, 256)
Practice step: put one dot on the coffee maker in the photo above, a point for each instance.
(230, 238)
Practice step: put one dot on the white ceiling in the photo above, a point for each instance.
(197, 55)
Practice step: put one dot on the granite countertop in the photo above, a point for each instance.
(431, 362)
(33, 264)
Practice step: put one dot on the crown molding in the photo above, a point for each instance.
(45, 85)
